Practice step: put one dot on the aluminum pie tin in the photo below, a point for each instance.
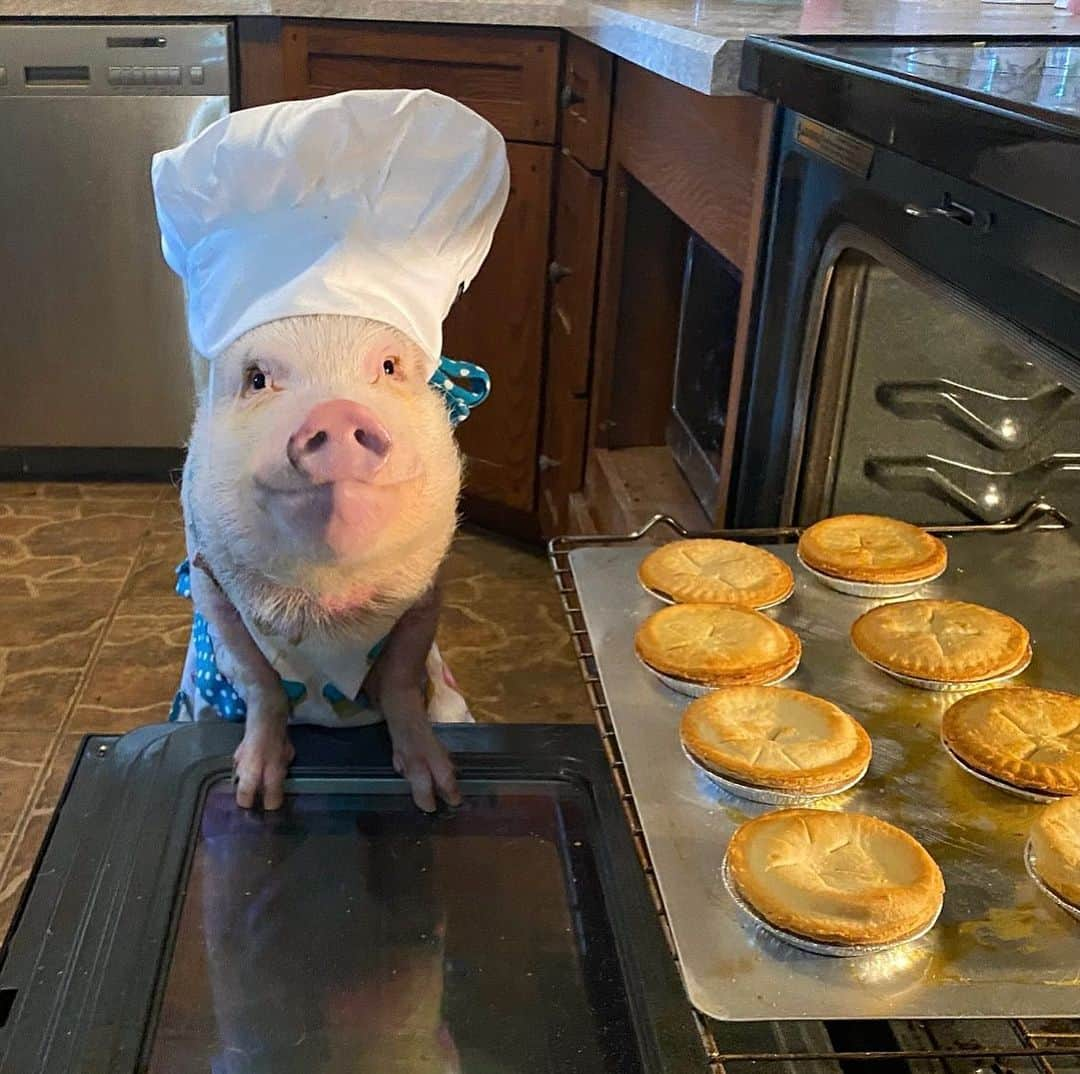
(768, 795)
(951, 687)
(871, 590)
(1043, 797)
(818, 947)
(1049, 892)
(697, 689)
(665, 599)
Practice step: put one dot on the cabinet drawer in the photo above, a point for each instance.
(585, 101)
(509, 76)
(499, 323)
(573, 275)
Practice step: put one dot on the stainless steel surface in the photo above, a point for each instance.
(998, 950)
(902, 359)
(93, 342)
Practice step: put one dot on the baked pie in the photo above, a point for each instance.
(871, 548)
(717, 645)
(775, 738)
(1055, 847)
(1019, 735)
(840, 878)
(711, 571)
(942, 641)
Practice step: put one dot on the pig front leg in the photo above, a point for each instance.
(395, 685)
(263, 756)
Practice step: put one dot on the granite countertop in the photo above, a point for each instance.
(692, 42)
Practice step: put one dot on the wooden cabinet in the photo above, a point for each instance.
(585, 101)
(570, 321)
(509, 76)
(499, 324)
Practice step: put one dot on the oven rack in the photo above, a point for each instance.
(1039, 1042)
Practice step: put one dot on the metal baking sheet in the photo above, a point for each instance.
(1000, 947)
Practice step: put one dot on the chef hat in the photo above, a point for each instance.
(371, 203)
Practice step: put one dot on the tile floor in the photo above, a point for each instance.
(92, 638)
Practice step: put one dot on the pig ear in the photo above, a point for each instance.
(462, 385)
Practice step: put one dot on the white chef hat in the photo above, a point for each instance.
(372, 203)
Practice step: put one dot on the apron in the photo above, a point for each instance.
(322, 678)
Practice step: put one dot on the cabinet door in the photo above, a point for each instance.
(507, 75)
(570, 324)
(499, 324)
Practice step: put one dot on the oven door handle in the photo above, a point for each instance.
(952, 210)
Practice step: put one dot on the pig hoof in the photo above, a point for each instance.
(259, 768)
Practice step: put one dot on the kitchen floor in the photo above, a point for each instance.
(92, 638)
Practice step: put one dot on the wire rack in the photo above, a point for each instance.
(1037, 1044)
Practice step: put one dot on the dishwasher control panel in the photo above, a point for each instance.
(114, 60)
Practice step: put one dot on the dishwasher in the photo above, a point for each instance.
(93, 338)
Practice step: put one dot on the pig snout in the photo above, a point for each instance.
(339, 441)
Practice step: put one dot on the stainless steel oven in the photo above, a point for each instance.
(917, 347)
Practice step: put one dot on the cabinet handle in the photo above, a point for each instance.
(557, 272)
(545, 462)
(568, 96)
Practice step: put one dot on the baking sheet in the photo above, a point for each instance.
(1000, 948)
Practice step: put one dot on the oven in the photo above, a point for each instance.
(917, 343)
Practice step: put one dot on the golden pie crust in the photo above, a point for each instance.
(717, 645)
(941, 640)
(872, 548)
(1055, 840)
(1019, 735)
(843, 878)
(780, 739)
(717, 572)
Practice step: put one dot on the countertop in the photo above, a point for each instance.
(696, 44)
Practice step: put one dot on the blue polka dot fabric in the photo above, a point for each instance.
(460, 399)
(213, 687)
(216, 690)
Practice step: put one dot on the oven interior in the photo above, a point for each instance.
(926, 405)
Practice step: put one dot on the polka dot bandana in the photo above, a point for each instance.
(460, 399)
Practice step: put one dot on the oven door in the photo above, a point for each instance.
(918, 345)
(166, 930)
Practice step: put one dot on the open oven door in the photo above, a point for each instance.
(917, 339)
(164, 929)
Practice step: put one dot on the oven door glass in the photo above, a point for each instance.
(928, 408)
(351, 933)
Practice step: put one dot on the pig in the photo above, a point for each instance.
(321, 244)
(320, 497)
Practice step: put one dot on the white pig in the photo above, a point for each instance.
(321, 245)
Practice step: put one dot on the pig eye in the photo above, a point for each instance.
(389, 367)
(255, 379)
